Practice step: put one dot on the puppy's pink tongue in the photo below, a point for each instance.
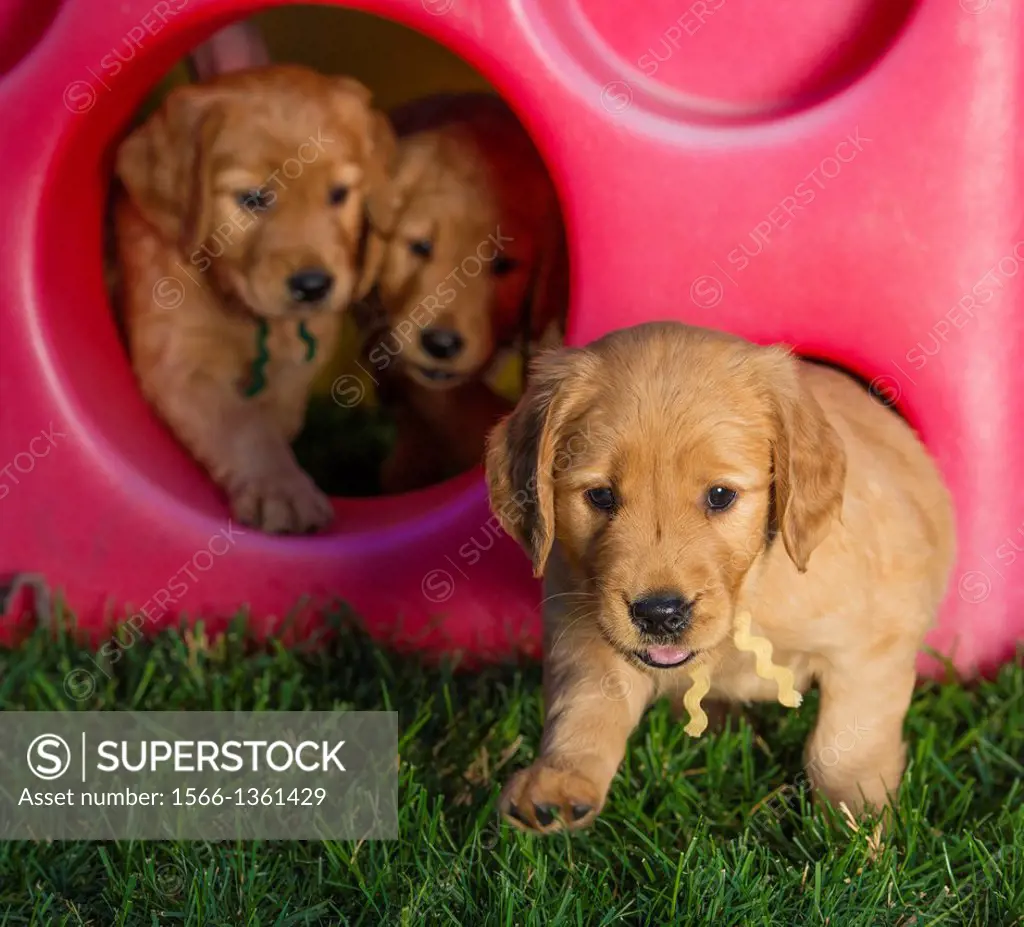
(667, 656)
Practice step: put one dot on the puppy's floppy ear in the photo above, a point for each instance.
(378, 148)
(809, 461)
(379, 170)
(381, 204)
(354, 101)
(406, 163)
(165, 166)
(522, 448)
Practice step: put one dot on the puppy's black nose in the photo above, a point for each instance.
(661, 613)
(310, 285)
(442, 343)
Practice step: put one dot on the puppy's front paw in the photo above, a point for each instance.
(282, 504)
(544, 799)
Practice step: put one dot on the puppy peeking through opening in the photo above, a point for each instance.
(472, 264)
(239, 243)
(702, 509)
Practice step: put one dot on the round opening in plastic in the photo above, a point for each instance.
(362, 435)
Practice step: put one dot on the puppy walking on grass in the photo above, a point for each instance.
(721, 497)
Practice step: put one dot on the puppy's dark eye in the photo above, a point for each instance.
(338, 195)
(502, 266)
(602, 499)
(256, 200)
(719, 498)
(422, 248)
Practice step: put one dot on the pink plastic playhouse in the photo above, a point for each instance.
(841, 176)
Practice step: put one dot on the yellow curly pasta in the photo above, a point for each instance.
(761, 647)
(691, 701)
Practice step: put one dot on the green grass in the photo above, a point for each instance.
(695, 831)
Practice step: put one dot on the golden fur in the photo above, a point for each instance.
(201, 266)
(470, 187)
(839, 544)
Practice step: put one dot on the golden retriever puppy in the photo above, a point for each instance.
(673, 483)
(475, 233)
(240, 239)
(474, 259)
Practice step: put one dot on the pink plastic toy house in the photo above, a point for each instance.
(842, 176)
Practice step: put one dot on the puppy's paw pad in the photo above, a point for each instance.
(547, 800)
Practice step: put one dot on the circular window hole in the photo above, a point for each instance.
(426, 364)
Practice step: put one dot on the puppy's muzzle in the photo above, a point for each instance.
(661, 614)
